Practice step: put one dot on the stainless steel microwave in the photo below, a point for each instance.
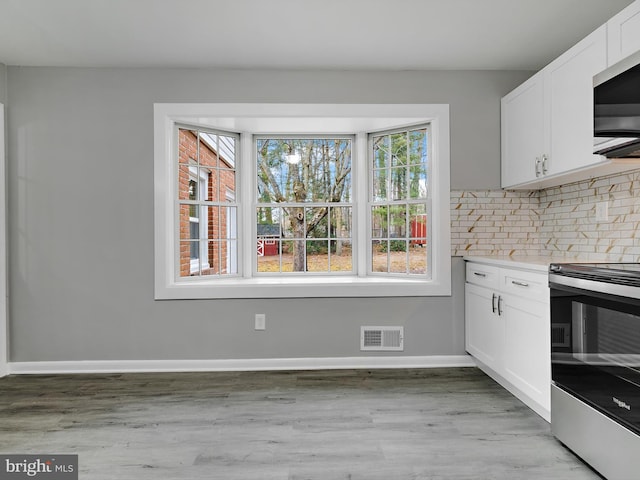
(616, 112)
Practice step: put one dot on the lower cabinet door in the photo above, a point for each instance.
(484, 330)
(527, 347)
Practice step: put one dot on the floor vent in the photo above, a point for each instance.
(382, 338)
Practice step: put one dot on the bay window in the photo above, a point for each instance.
(288, 200)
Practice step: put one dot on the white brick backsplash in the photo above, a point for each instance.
(552, 221)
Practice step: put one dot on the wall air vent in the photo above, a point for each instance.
(382, 338)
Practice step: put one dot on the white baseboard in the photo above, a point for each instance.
(262, 364)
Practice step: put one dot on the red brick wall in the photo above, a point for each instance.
(220, 179)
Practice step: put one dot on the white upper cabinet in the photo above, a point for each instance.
(547, 122)
(624, 33)
(569, 103)
(522, 132)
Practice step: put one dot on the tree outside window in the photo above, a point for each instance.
(304, 196)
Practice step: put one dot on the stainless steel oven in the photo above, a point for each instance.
(595, 364)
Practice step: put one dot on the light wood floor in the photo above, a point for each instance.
(344, 424)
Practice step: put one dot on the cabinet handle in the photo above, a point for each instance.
(493, 303)
(544, 164)
(480, 274)
(500, 305)
(520, 284)
(538, 165)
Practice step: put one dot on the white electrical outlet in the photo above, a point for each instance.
(602, 211)
(261, 321)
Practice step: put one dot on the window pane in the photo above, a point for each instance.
(227, 152)
(189, 265)
(210, 189)
(214, 259)
(381, 152)
(340, 256)
(230, 255)
(212, 220)
(317, 256)
(379, 222)
(187, 182)
(398, 256)
(268, 216)
(379, 255)
(194, 232)
(268, 233)
(317, 222)
(418, 259)
(398, 149)
(380, 185)
(418, 224)
(208, 156)
(187, 146)
(398, 183)
(398, 220)
(295, 222)
(194, 249)
(287, 256)
(229, 222)
(340, 222)
(304, 170)
(289, 220)
(185, 221)
(418, 147)
(227, 185)
(268, 254)
(418, 186)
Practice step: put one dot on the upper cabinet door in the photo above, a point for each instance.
(569, 104)
(547, 122)
(624, 33)
(522, 136)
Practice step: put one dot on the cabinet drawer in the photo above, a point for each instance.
(534, 286)
(484, 275)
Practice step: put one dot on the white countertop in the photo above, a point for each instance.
(532, 262)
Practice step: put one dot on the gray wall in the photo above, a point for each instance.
(3, 83)
(80, 171)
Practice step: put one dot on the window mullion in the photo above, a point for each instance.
(248, 204)
(362, 182)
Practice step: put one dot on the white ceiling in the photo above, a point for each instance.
(319, 34)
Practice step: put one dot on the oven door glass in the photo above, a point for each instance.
(595, 351)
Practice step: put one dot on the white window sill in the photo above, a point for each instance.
(301, 287)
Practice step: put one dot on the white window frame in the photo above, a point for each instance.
(254, 119)
(428, 201)
(351, 204)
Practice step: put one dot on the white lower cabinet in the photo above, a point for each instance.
(484, 328)
(507, 330)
